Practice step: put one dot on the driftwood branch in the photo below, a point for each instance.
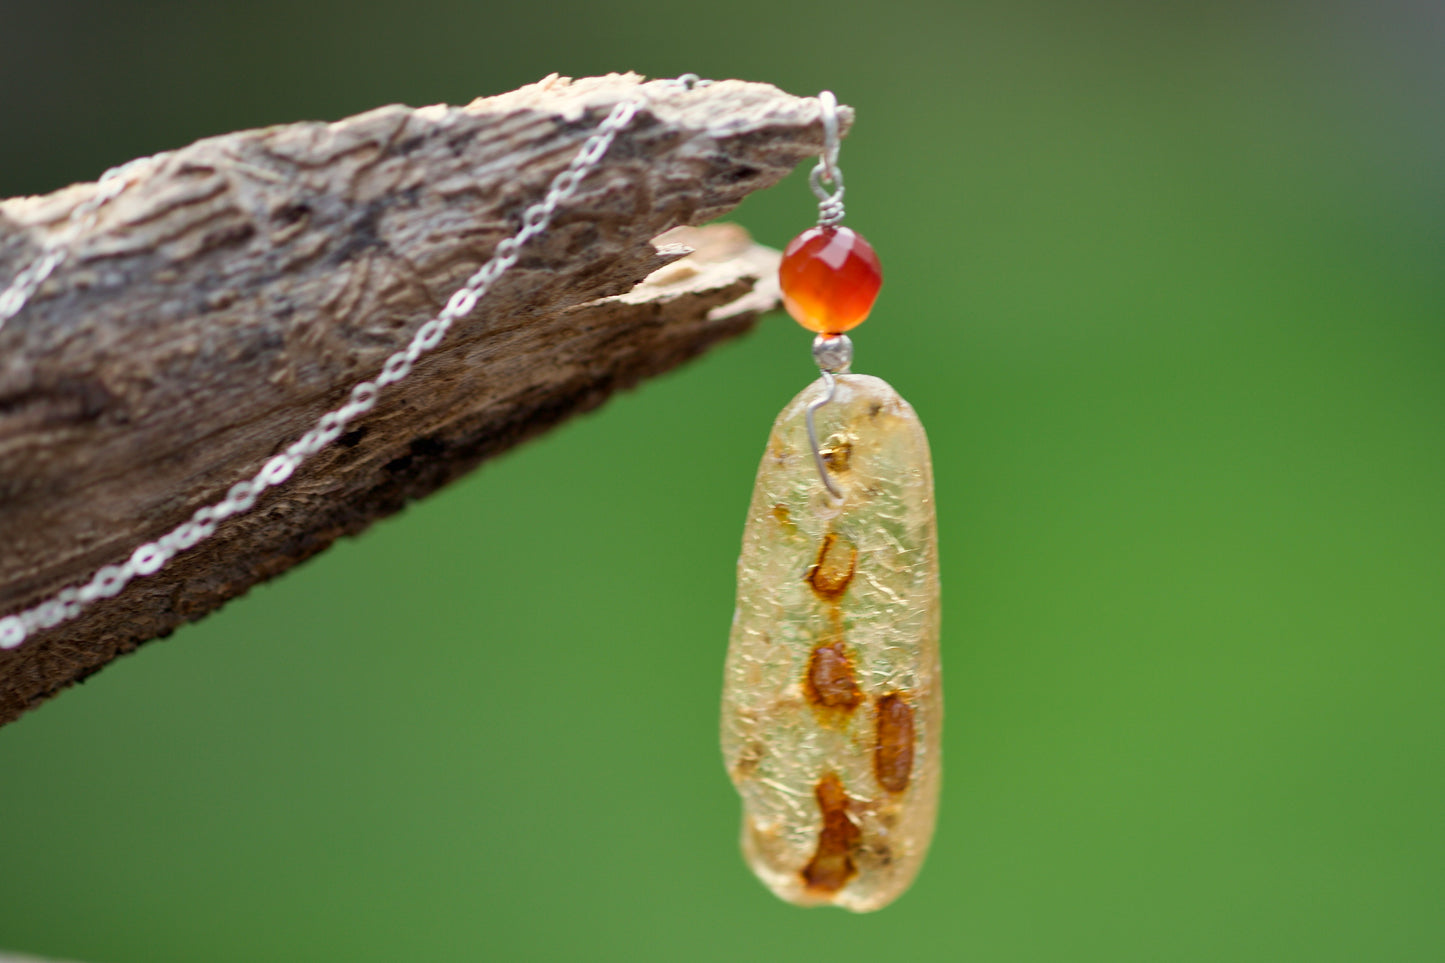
(238, 288)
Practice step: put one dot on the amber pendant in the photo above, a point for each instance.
(832, 701)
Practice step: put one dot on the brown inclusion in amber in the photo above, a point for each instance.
(830, 278)
(832, 865)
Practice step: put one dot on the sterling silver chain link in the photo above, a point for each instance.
(82, 219)
(153, 556)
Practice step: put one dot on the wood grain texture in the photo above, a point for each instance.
(238, 288)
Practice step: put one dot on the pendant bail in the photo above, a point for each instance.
(827, 171)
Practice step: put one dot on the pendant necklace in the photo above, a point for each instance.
(831, 706)
(832, 702)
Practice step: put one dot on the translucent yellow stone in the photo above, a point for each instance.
(832, 701)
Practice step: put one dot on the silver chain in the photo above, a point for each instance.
(28, 281)
(153, 556)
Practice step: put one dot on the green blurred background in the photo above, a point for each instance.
(1164, 282)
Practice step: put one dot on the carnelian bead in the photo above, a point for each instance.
(830, 279)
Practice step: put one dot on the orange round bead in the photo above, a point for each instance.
(830, 279)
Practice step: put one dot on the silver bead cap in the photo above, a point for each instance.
(833, 352)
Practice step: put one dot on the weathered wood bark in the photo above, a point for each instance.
(239, 287)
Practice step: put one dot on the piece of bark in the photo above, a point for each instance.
(238, 287)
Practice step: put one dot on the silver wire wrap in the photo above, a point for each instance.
(153, 556)
(827, 171)
(813, 407)
(834, 353)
